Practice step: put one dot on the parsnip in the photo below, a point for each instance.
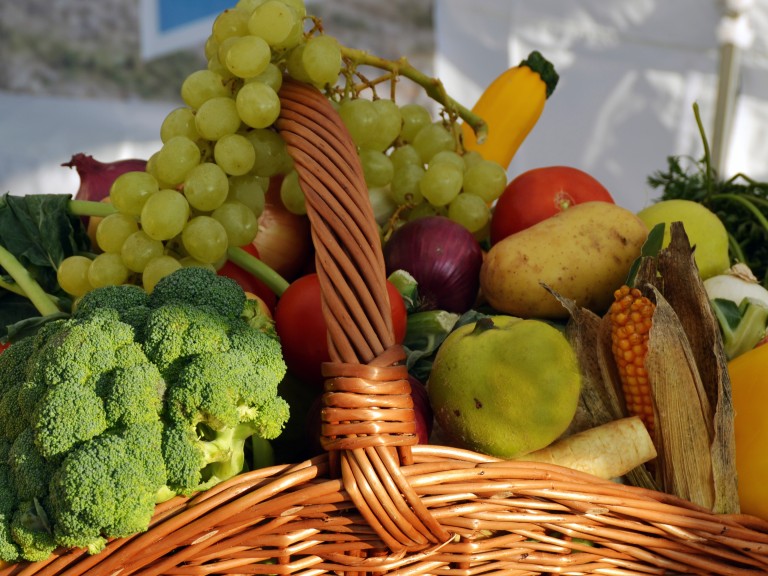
(606, 451)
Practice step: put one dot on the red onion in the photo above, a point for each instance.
(443, 257)
(424, 414)
(96, 177)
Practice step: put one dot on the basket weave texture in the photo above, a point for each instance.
(376, 502)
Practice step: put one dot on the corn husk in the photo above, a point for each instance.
(688, 372)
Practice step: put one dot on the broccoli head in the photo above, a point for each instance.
(31, 531)
(106, 487)
(201, 287)
(176, 332)
(217, 402)
(129, 300)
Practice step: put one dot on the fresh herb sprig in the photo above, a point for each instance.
(740, 202)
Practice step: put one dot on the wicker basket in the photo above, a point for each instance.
(377, 503)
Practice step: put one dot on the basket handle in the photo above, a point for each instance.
(368, 415)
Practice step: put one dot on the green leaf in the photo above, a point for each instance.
(650, 249)
(39, 230)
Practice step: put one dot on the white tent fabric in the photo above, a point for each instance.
(630, 71)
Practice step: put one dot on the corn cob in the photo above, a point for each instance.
(631, 316)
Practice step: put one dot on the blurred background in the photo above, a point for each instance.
(99, 77)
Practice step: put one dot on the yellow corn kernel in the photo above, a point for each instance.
(631, 316)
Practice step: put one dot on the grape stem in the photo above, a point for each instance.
(433, 87)
(259, 269)
(90, 208)
(26, 285)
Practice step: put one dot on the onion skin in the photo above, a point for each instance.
(443, 257)
(96, 177)
(284, 239)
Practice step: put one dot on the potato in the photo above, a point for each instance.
(584, 253)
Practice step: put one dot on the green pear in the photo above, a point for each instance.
(705, 231)
(504, 386)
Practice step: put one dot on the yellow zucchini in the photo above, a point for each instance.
(511, 105)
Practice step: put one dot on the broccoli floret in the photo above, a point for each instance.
(13, 373)
(9, 550)
(106, 487)
(198, 286)
(212, 408)
(31, 531)
(30, 472)
(129, 300)
(176, 332)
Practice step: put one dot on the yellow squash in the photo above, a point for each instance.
(511, 105)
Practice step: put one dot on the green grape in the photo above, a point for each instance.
(205, 239)
(138, 249)
(107, 269)
(217, 117)
(234, 154)
(298, 6)
(188, 261)
(486, 179)
(471, 157)
(175, 159)
(294, 64)
(239, 221)
(211, 46)
(360, 117)
(448, 156)
(247, 56)
(216, 66)
(158, 268)
(432, 139)
(382, 203)
(257, 104)
(470, 211)
(271, 153)
(201, 86)
(441, 183)
(403, 155)
(425, 209)
(292, 195)
(164, 214)
(221, 54)
(274, 21)
(388, 124)
(272, 76)
(405, 184)
(206, 187)
(248, 5)
(249, 190)
(415, 117)
(112, 231)
(179, 122)
(377, 167)
(230, 23)
(321, 58)
(72, 275)
(130, 190)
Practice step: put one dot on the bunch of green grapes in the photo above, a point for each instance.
(203, 191)
(415, 165)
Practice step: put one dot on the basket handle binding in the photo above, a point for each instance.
(368, 416)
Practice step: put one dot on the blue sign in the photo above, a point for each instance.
(173, 14)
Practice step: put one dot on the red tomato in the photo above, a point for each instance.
(540, 193)
(248, 282)
(303, 332)
(3, 346)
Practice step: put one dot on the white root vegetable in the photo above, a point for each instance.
(606, 451)
(735, 285)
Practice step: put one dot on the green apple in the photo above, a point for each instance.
(705, 231)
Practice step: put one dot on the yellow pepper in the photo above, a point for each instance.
(749, 385)
(511, 105)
